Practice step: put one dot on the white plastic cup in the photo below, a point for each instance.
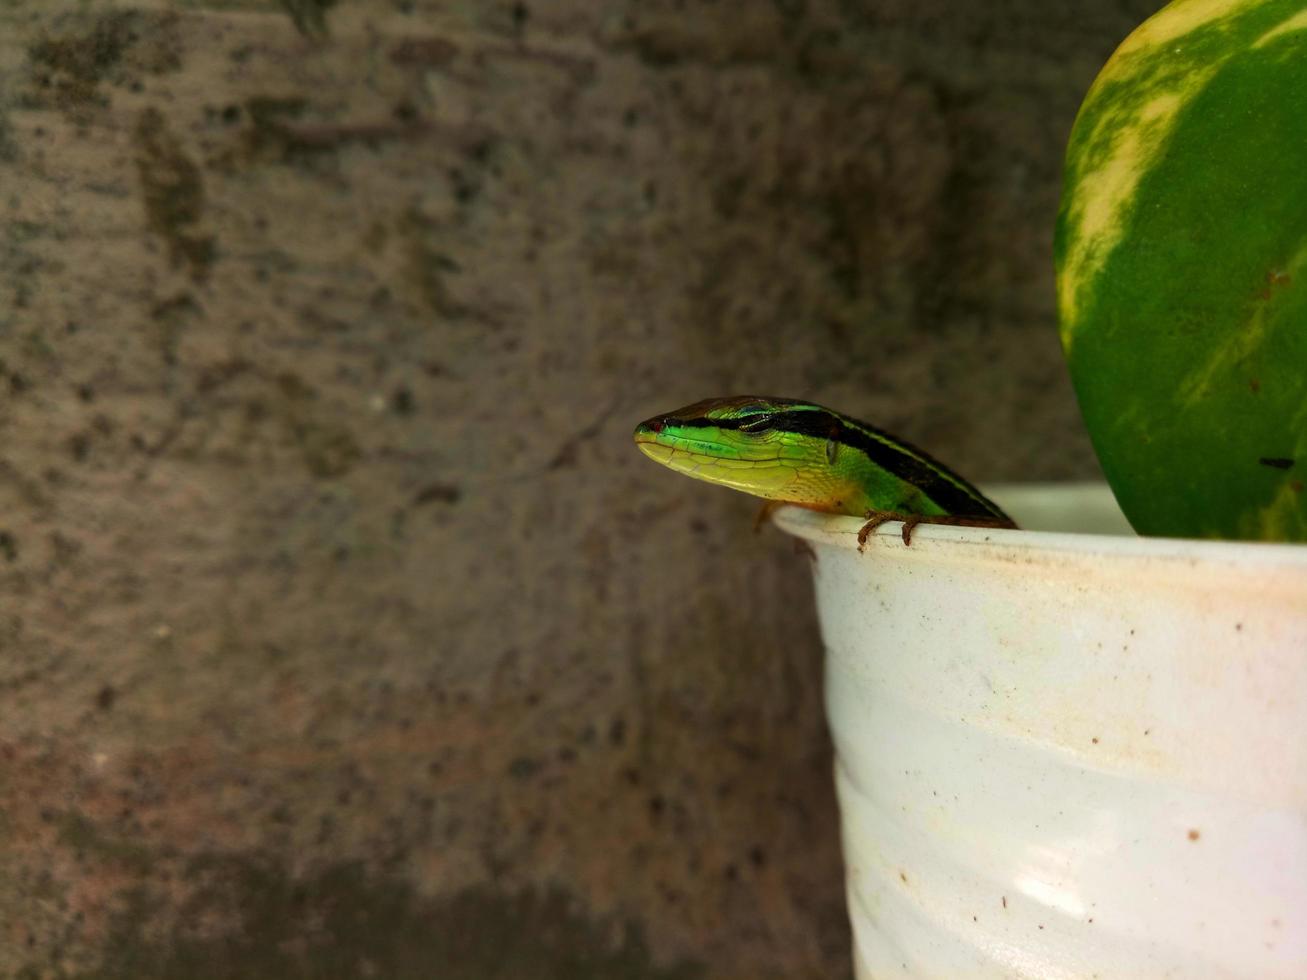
(1066, 754)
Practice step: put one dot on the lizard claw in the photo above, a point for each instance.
(875, 518)
(909, 525)
(765, 512)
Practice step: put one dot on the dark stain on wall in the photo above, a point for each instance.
(173, 191)
(69, 63)
(249, 917)
(309, 16)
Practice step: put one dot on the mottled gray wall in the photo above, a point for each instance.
(342, 630)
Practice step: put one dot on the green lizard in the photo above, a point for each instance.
(792, 452)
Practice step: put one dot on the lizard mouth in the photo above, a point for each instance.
(655, 450)
(695, 452)
(763, 477)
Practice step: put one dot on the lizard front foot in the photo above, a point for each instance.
(875, 518)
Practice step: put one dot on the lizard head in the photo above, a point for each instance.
(770, 447)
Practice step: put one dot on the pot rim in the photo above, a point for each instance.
(1007, 544)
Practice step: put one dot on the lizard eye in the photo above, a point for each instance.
(756, 423)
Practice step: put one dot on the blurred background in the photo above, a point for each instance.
(343, 632)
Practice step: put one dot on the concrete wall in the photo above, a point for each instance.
(342, 630)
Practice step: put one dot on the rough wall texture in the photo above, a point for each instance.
(342, 631)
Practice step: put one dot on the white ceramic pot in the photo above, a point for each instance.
(1067, 754)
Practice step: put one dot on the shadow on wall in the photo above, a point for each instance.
(342, 923)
